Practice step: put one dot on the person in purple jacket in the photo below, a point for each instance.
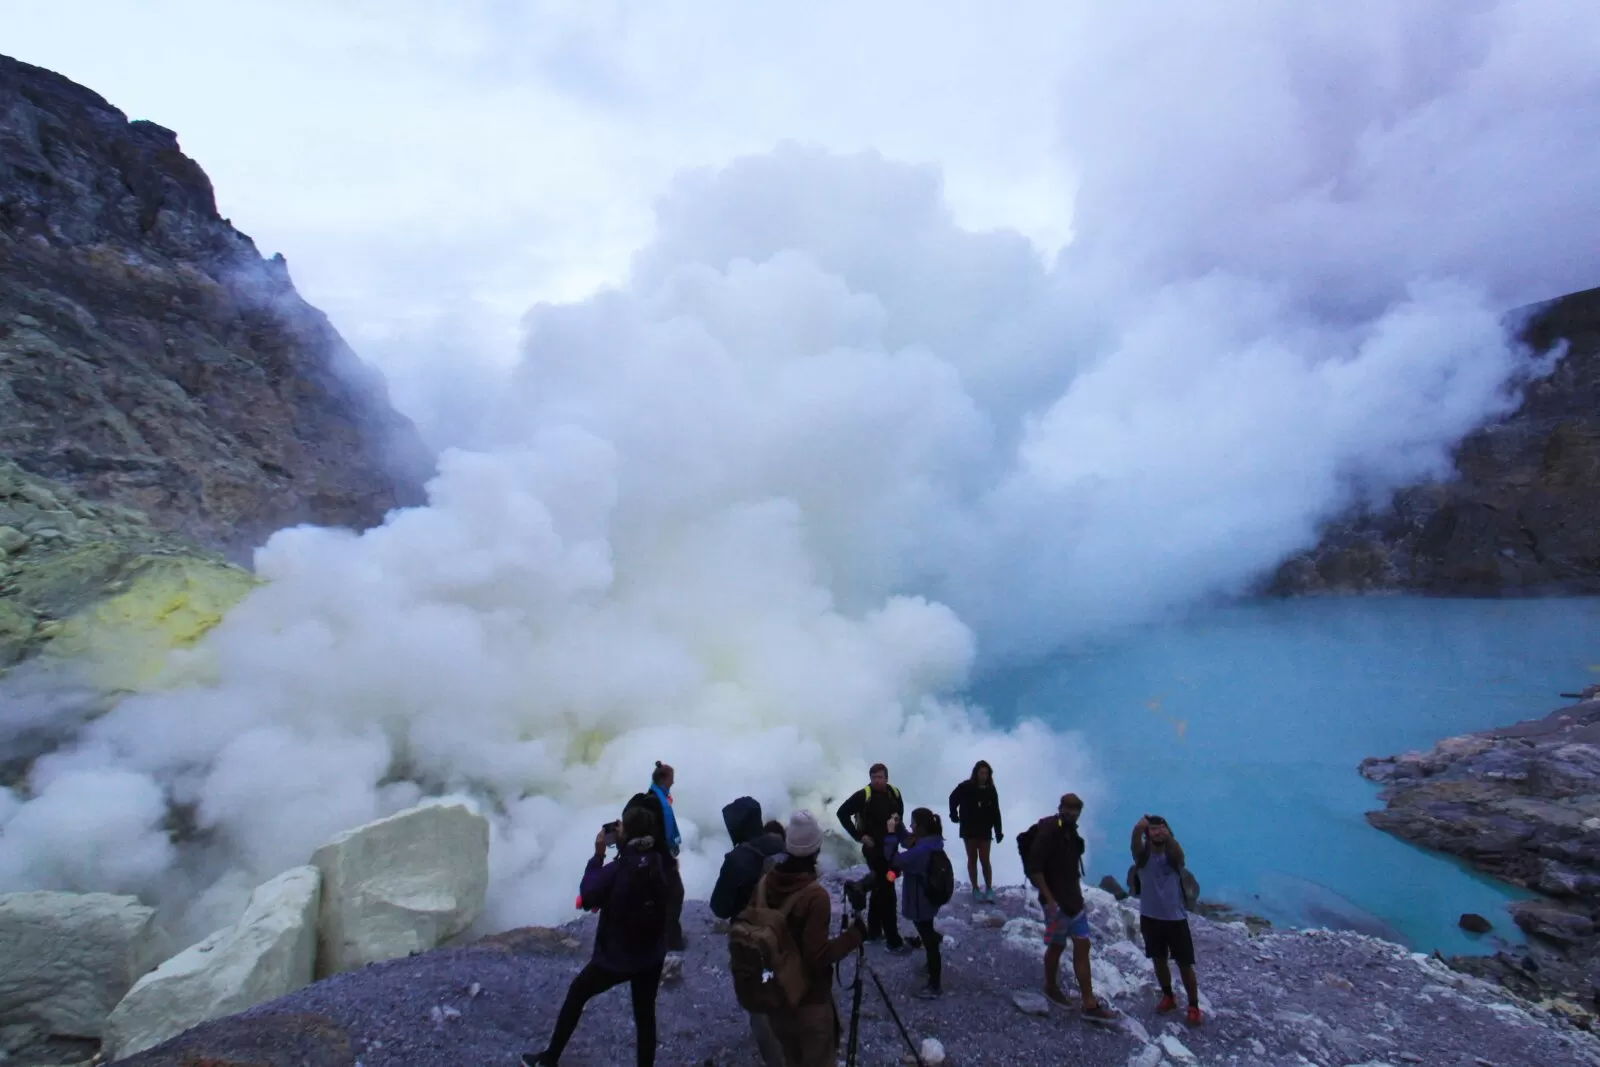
(631, 893)
(926, 838)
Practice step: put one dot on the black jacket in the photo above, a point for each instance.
(976, 810)
(866, 813)
(746, 862)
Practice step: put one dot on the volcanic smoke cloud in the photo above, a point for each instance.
(763, 511)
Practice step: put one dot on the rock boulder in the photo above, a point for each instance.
(269, 952)
(66, 959)
(400, 885)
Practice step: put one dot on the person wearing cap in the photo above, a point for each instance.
(1055, 861)
(1163, 920)
(809, 1033)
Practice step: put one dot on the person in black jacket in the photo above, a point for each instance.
(865, 817)
(658, 801)
(756, 850)
(975, 807)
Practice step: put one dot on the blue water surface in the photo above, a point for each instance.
(1245, 725)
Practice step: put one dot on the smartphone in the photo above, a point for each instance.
(613, 831)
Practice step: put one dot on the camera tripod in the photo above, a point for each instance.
(862, 966)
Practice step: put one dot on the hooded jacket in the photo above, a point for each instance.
(913, 865)
(747, 861)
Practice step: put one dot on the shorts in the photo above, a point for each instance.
(1167, 937)
(1058, 927)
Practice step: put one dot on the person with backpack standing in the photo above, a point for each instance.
(865, 817)
(781, 956)
(975, 807)
(930, 882)
(756, 851)
(1053, 859)
(630, 945)
(1157, 879)
(658, 801)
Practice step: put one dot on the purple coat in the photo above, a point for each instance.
(631, 895)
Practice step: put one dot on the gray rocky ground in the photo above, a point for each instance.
(1277, 998)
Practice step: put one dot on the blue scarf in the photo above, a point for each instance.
(674, 839)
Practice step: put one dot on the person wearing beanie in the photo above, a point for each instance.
(757, 849)
(809, 1033)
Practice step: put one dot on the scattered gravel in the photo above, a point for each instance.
(1290, 998)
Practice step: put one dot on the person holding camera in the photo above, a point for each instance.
(975, 807)
(865, 817)
(1055, 864)
(657, 800)
(809, 1033)
(919, 899)
(632, 895)
(1163, 919)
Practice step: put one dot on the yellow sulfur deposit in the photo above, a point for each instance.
(168, 602)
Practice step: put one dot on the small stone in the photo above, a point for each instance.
(1031, 1003)
(672, 968)
(991, 920)
(12, 539)
(1473, 923)
(1177, 1050)
(1114, 887)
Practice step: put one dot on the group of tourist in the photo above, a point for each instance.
(782, 947)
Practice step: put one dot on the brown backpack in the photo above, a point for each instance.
(769, 974)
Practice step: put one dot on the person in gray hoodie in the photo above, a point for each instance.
(756, 850)
(925, 839)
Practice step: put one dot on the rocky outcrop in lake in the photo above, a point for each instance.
(1523, 804)
(151, 358)
(1521, 515)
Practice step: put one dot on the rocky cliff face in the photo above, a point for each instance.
(1522, 515)
(151, 358)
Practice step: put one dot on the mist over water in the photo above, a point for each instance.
(764, 509)
(1244, 727)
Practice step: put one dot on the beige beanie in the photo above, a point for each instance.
(804, 837)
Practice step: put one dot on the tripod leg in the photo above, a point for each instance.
(916, 1053)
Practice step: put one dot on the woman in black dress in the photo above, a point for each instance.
(975, 807)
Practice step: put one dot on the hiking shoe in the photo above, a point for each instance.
(1055, 996)
(1100, 1014)
(538, 1059)
(928, 993)
(1194, 1018)
(1167, 1004)
(902, 949)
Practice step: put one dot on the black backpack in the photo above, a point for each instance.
(941, 879)
(1025, 847)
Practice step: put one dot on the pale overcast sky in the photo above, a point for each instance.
(436, 168)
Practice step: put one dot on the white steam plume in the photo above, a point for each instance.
(758, 512)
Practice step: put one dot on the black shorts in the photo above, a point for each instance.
(1165, 938)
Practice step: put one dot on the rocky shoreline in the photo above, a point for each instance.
(1521, 803)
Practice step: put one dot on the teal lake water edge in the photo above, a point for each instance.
(1245, 725)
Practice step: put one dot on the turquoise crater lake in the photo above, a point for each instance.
(1245, 725)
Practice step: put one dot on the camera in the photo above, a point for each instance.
(855, 893)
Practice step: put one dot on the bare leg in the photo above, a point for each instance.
(972, 862)
(1164, 976)
(1052, 973)
(1191, 985)
(988, 872)
(1080, 968)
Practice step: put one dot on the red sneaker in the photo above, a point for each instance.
(1194, 1018)
(1167, 1004)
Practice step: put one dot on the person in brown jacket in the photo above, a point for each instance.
(809, 1033)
